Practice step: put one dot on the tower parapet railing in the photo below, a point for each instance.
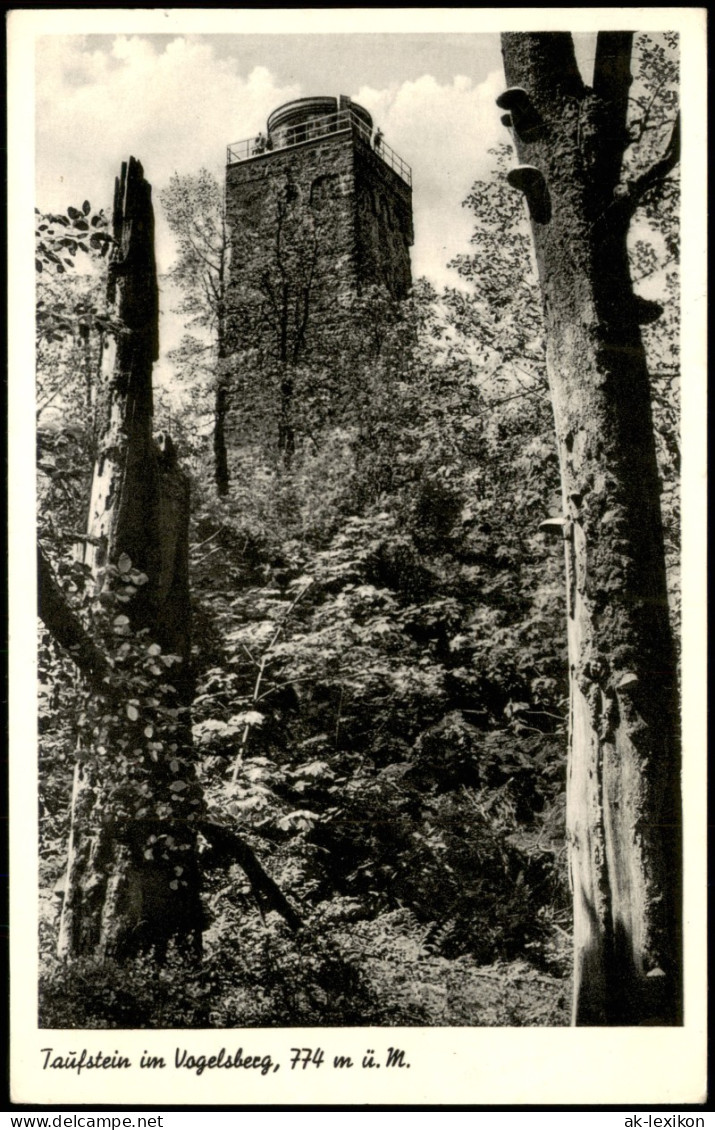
(311, 130)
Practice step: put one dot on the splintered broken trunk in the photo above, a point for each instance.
(132, 880)
(623, 797)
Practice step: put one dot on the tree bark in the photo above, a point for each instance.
(623, 796)
(222, 476)
(286, 431)
(133, 879)
(221, 472)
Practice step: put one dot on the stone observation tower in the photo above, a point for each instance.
(319, 211)
(323, 152)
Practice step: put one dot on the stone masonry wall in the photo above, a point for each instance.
(384, 223)
(314, 186)
(310, 227)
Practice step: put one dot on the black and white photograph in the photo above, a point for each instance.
(357, 697)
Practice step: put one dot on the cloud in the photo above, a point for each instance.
(444, 130)
(175, 109)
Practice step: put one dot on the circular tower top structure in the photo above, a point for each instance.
(291, 119)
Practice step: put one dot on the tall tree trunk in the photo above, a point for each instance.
(132, 880)
(623, 799)
(222, 476)
(286, 430)
(221, 472)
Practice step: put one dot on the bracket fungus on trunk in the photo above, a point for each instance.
(556, 527)
(531, 181)
(647, 311)
(525, 118)
(627, 683)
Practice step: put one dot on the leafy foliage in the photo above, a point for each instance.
(340, 972)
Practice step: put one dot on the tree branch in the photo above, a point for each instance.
(612, 70)
(195, 250)
(646, 109)
(228, 844)
(611, 85)
(656, 174)
(261, 668)
(50, 396)
(65, 627)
